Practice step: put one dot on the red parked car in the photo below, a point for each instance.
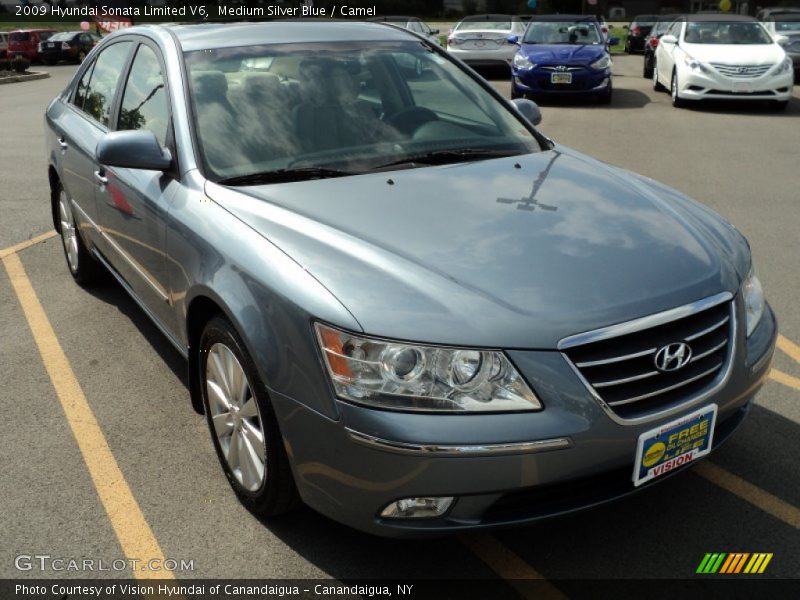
(25, 42)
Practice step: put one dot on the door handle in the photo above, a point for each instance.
(101, 179)
(62, 142)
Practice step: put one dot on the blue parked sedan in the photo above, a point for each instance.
(562, 55)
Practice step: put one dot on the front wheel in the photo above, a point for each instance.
(656, 83)
(677, 101)
(647, 69)
(242, 422)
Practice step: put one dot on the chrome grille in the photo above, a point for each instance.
(563, 69)
(622, 369)
(742, 71)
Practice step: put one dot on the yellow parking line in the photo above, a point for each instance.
(508, 565)
(26, 244)
(134, 534)
(750, 493)
(789, 347)
(784, 378)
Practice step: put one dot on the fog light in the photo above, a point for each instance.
(418, 508)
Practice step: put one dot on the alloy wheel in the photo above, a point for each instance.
(69, 236)
(236, 417)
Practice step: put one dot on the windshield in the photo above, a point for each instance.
(20, 37)
(562, 32)
(349, 106)
(789, 24)
(484, 26)
(726, 33)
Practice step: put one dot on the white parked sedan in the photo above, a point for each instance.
(722, 57)
(482, 40)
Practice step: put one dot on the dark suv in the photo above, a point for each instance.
(638, 31)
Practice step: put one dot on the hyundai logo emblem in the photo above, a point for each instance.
(673, 357)
(561, 68)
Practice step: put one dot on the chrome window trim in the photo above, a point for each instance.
(443, 450)
(652, 321)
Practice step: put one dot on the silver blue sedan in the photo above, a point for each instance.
(399, 302)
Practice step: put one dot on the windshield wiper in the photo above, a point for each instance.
(285, 175)
(443, 157)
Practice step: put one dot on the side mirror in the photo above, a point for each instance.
(133, 150)
(613, 41)
(782, 40)
(528, 109)
(434, 32)
(513, 39)
(669, 39)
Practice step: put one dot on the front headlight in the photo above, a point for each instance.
(602, 63)
(753, 296)
(522, 62)
(786, 65)
(694, 64)
(403, 376)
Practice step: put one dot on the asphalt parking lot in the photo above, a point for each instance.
(740, 161)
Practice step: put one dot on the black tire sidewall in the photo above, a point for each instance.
(219, 330)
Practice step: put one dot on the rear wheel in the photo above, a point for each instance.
(81, 56)
(242, 422)
(82, 265)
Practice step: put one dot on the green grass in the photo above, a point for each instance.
(622, 34)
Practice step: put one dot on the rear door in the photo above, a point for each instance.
(80, 123)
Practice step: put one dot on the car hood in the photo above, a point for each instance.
(736, 54)
(563, 53)
(514, 252)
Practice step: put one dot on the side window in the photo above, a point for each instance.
(83, 87)
(144, 104)
(107, 68)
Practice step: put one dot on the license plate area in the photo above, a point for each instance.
(742, 87)
(561, 78)
(674, 444)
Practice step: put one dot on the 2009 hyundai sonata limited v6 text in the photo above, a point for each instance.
(400, 303)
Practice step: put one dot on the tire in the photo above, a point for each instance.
(81, 56)
(242, 423)
(83, 267)
(647, 68)
(677, 102)
(656, 84)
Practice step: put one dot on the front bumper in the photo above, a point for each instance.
(710, 85)
(502, 55)
(537, 81)
(351, 468)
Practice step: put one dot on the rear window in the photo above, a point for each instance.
(484, 26)
(45, 35)
(21, 36)
(60, 37)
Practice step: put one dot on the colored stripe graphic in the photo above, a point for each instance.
(734, 563)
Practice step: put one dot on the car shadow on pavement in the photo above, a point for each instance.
(623, 98)
(746, 108)
(109, 291)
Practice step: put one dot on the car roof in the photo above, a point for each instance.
(390, 18)
(488, 17)
(34, 30)
(204, 36)
(719, 18)
(793, 15)
(563, 18)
